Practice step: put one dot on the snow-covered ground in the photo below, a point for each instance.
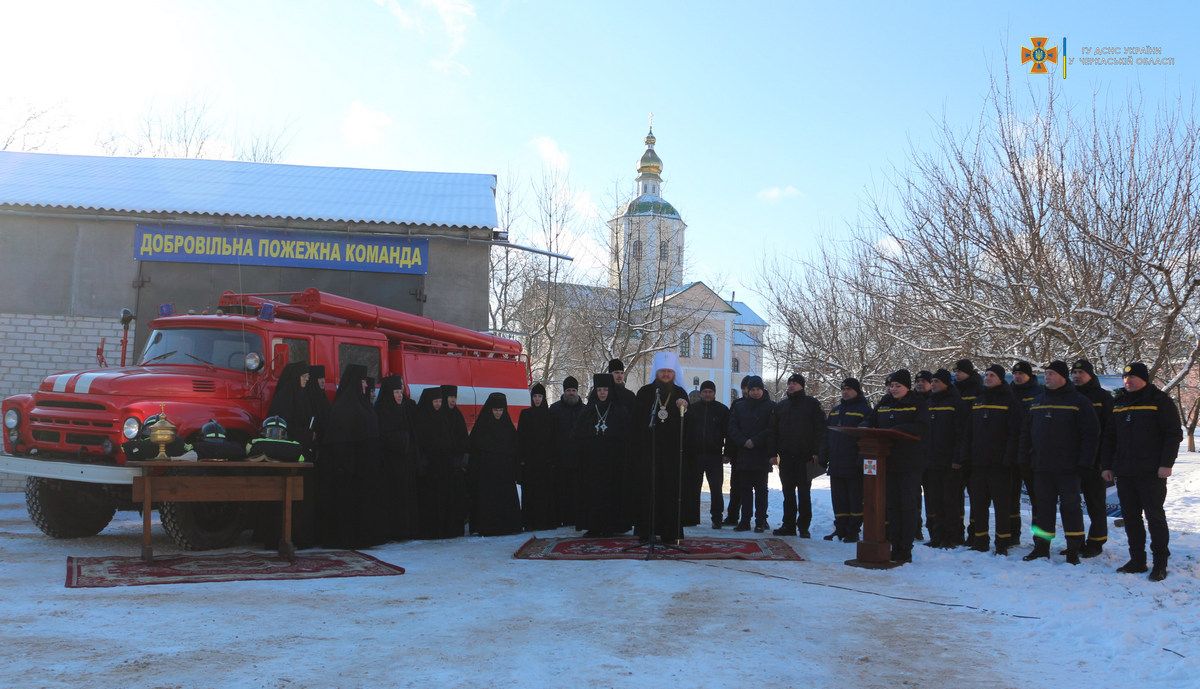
(468, 615)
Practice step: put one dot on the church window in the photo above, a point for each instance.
(737, 365)
(706, 350)
(637, 249)
(662, 251)
(685, 345)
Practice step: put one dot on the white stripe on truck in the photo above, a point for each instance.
(84, 384)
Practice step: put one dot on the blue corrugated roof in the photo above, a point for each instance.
(254, 190)
(743, 339)
(746, 315)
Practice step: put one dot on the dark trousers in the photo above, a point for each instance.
(712, 468)
(797, 493)
(1055, 489)
(1021, 474)
(735, 496)
(566, 487)
(944, 505)
(1093, 498)
(752, 484)
(1145, 493)
(903, 505)
(991, 486)
(847, 497)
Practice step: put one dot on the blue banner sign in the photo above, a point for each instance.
(375, 253)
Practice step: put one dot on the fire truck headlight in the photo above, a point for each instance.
(11, 419)
(130, 428)
(254, 362)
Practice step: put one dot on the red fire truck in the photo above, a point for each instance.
(66, 437)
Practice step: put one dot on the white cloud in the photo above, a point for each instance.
(454, 17)
(777, 194)
(364, 126)
(550, 153)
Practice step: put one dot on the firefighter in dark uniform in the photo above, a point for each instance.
(1140, 446)
(948, 448)
(1083, 375)
(840, 457)
(995, 438)
(923, 387)
(969, 384)
(1026, 388)
(797, 433)
(1060, 435)
(903, 410)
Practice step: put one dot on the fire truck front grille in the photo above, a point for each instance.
(84, 439)
(46, 436)
(67, 404)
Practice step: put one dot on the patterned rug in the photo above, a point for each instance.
(103, 572)
(698, 549)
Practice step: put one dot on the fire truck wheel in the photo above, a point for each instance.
(202, 525)
(67, 509)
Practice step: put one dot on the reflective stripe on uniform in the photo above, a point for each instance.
(1054, 406)
(1148, 407)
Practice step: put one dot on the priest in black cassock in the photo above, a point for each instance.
(601, 436)
(657, 422)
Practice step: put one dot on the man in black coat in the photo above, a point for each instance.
(840, 455)
(1140, 446)
(1025, 388)
(995, 438)
(902, 410)
(750, 436)
(948, 447)
(1060, 435)
(735, 492)
(704, 430)
(967, 380)
(565, 412)
(1083, 375)
(621, 394)
(797, 433)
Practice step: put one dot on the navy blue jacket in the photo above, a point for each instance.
(1144, 433)
(1061, 432)
(949, 429)
(995, 428)
(840, 453)
(908, 415)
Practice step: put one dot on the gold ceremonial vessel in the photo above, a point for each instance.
(163, 433)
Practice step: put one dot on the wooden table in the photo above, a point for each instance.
(247, 483)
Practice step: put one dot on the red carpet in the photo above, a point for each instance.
(698, 549)
(102, 572)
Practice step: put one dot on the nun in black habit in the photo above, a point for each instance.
(347, 505)
(459, 446)
(399, 458)
(535, 454)
(601, 437)
(291, 402)
(440, 511)
(492, 471)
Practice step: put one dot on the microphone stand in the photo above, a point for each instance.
(655, 544)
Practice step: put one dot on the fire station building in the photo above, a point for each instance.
(83, 237)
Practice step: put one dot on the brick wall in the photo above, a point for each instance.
(32, 347)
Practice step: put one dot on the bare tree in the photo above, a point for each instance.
(27, 127)
(509, 269)
(190, 129)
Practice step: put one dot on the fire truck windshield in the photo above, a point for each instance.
(223, 348)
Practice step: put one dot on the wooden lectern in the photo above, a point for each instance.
(874, 447)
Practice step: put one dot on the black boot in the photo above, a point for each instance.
(716, 523)
(831, 536)
(1091, 549)
(1041, 548)
(804, 533)
(1002, 548)
(785, 530)
(731, 520)
(742, 526)
(979, 544)
(1160, 570)
(1134, 566)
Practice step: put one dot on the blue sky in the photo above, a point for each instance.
(774, 120)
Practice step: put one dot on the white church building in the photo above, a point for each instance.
(648, 240)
